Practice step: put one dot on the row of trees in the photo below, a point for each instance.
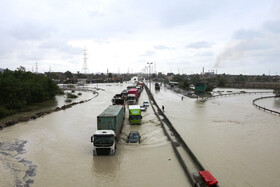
(19, 89)
(184, 81)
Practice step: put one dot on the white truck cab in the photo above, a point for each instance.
(104, 142)
(131, 99)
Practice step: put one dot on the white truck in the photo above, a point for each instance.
(109, 127)
(131, 99)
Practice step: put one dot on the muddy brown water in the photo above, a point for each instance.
(56, 150)
(236, 142)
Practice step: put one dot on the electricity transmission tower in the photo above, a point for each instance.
(36, 65)
(85, 67)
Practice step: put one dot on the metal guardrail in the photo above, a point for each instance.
(263, 108)
(239, 93)
(176, 143)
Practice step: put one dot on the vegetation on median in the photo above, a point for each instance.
(18, 89)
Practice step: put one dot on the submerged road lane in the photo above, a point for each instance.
(237, 143)
(56, 150)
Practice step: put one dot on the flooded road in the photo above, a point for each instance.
(270, 103)
(236, 142)
(56, 150)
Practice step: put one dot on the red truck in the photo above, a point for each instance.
(134, 91)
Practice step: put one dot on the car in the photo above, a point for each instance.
(133, 137)
(143, 108)
(146, 103)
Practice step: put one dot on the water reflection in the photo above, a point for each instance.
(238, 143)
(277, 103)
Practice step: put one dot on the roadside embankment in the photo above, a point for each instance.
(25, 118)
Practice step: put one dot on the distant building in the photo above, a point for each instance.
(210, 73)
(170, 74)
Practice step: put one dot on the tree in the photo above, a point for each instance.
(195, 79)
(21, 68)
(19, 88)
(221, 81)
(68, 74)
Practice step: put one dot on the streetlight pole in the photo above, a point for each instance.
(149, 63)
(146, 72)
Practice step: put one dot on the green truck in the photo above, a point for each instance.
(135, 116)
(109, 127)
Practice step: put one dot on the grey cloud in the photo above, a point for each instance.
(272, 26)
(205, 54)
(148, 53)
(161, 47)
(198, 45)
(247, 48)
(31, 31)
(247, 34)
(95, 13)
(180, 12)
(60, 45)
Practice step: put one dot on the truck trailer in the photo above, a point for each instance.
(135, 116)
(109, 127)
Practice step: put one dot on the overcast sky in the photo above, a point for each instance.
(179, 36)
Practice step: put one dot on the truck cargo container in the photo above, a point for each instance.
(134, 91)
(109, 127)
(135, 116)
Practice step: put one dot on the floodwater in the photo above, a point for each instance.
(236, 142)
(55, 150)
(270, 103)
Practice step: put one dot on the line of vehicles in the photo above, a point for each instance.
(110, 122)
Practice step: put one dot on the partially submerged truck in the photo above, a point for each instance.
(109, 127)
(132, 96)
(118, 99)
(135, 92)
(135, 116)
(131, 99)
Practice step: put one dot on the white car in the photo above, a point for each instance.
(146, 104)
(143, 108)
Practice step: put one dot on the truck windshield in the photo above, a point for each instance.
(119, 101)
(104, 139)
(135, 117)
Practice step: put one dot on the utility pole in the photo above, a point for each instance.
(85, 67)
(36, 67)
(149, 63)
